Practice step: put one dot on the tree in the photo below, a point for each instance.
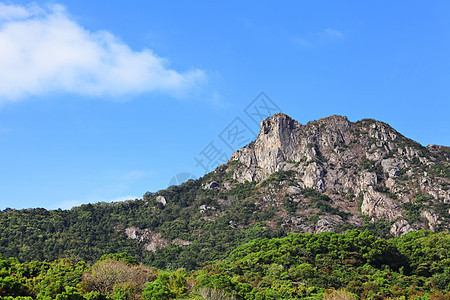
(105, 274)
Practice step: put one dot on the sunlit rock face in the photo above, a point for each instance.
(384, 172)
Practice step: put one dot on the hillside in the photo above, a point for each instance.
(354, 265)
(327, 175)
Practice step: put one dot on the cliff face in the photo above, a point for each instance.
(366, 168)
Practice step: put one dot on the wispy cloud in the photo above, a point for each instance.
(318, 38)
(11, 12)
(333, 33)
(43, 50)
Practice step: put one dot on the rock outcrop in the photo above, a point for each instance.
(152, 241)
(161, 200)
(387, 176)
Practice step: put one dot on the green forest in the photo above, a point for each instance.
(222, 243)
(353, 265)
(91, 230)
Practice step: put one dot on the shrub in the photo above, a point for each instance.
(107, 273)
(339, 295)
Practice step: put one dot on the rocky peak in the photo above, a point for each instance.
(367, 159)
(277, 130)
(276, 142)
(282, 140)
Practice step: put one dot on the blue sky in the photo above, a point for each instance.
(103, 101)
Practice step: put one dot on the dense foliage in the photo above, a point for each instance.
(196, 224)
(354, 265)
(89, 231)
(305, 265)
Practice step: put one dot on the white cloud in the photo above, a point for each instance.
(333, 33)
(318, 38)
(11, 12)
(42, 50)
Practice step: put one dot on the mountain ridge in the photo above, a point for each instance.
(365, 158)
(327, 175)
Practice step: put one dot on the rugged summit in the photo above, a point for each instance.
(366, 168)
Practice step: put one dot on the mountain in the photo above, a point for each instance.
(367, 169)
(327, 175)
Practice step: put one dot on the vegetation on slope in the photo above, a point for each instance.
(89, 231)
(231, 218)
(354, 265)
